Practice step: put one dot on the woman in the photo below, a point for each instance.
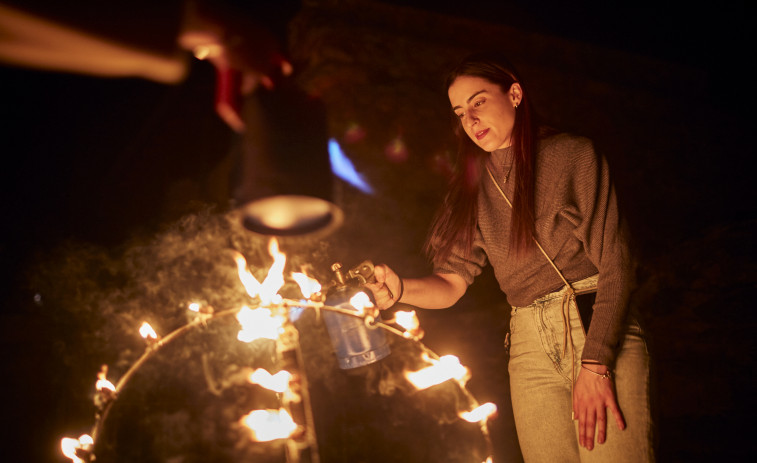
(540, 208)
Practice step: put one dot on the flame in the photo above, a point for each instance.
(479, 413)
(343, 168)
(250, 283)
(147, 332)
(447, 367)
(259, 323)
(275, 278)
(200, 309)
(69, 446)
(268, 289)
(267, 425)
(308, 286)
(102, 383)
(277, 383)
(407, 320)
(361, 301)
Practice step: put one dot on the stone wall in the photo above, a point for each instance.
(379, 67)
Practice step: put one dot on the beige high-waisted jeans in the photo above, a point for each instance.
(540, 383)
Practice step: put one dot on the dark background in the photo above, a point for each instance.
(664, 90)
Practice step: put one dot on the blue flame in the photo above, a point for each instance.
(343, 168)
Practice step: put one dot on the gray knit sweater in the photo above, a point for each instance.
(577, 224)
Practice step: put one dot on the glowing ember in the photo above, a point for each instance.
(447, 367)
(250, 283)
(147, 332)
(361, 301)
(69, 446)
(308, 286)
(194, 307)
(480, 413)
(268, 425)
(277, 383)
(259, 323)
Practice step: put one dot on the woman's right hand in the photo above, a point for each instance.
(435, 291)
(387, 288)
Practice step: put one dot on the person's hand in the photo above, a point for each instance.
(233, 40)
(386, 289)
(245, 53)
(593, 394)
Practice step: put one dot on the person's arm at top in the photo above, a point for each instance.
(146, 40)
(435, 291)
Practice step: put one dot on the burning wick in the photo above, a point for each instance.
(308, 286)
(199, 313)
(198, 308)
(268, 425)
(361, 302)
(447, 367)
(275, 278)
(148, 333)
(259, 323)
(409, 321)
(78, 450)
(277, 383)
(103, 384)
(250, 283)
(480, 413)
(268, 289)
(106, 391)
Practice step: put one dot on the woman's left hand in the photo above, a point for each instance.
(593, 394)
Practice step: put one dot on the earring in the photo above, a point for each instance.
(515, 106)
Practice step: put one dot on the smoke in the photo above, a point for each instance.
(110, 291)
(96, 298)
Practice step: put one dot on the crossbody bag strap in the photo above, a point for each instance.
(570, 294)
(491, 176)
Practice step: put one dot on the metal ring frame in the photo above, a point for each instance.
(203, 319)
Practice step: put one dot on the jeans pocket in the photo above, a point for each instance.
(634, 330)
(508, 334)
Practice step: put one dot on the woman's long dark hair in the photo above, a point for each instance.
(455, 223)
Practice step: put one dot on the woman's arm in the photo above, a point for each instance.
(436, 291)
(605, 241)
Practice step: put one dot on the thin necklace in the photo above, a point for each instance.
(508, 173)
